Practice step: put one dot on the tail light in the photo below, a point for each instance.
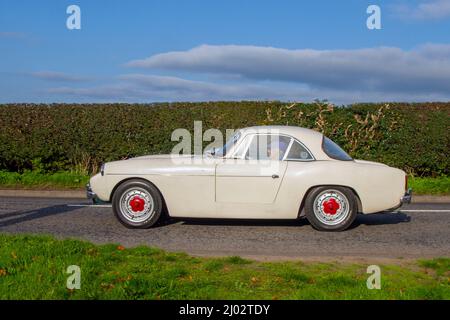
(406, 182)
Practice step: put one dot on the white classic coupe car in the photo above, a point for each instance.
(269, 172)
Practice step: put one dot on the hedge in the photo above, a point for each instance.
(54, 137)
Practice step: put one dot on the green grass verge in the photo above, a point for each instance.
(74, 180)
(38, 180)
(34, 267)
(434, 186)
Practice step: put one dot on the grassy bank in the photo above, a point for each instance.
(74, 180)
(38, 180)
(34, 267)
(435, 186)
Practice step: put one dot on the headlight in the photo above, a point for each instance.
(102, 169)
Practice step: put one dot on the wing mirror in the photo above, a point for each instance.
(211, 152)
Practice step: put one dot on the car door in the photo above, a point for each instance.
(254, 176)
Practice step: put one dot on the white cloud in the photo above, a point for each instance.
(57, 76)
(425, 69)
(233, 72)
(150, 88)
(196, 89)
(424, 10)
(164, 88)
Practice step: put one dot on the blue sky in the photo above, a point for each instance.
(146, 51)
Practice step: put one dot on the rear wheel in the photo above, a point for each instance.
(331, 208)
(137, 204)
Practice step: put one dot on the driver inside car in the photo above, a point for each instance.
(276, 150)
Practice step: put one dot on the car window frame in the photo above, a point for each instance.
(302, 145)
(285, 158)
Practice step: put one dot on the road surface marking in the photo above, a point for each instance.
(90, 205)
(423, 210)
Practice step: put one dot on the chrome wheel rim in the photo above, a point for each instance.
(331, 207)
(136, 205)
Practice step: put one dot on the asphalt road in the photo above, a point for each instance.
(416, 231)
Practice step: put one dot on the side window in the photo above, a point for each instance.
(267, 147)
(242, 146)
(298, 152)
(228, 145)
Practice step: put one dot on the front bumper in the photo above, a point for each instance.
(91, 195)
(407, 196)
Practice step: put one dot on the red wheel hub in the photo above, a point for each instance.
(331, 206)
(137, 204)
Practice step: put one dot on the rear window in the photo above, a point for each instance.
(334, 151)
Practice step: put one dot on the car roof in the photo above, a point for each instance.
(290, 130)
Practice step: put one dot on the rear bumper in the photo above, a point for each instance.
(407, 196)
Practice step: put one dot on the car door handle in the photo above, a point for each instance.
(275, 176)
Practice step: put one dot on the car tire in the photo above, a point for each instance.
(331, 208)
(137, 204)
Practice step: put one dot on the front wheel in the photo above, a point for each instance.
(137, 204)
(331, 208)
